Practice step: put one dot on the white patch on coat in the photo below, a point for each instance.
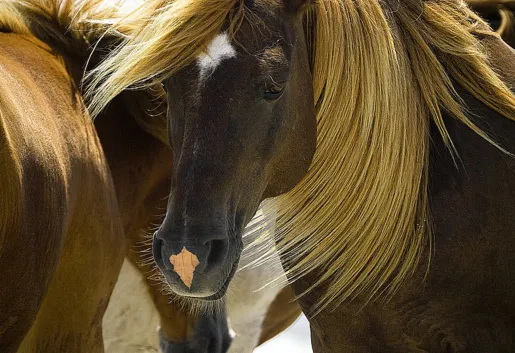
(218, 50)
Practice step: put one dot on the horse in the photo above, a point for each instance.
(255, 315)
(380, 131)
(60, 232)
(141, 185)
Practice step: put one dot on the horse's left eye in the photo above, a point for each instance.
(274, 92)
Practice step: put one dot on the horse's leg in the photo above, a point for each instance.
(30, 237)
(131, 319)
(206, 334)
(247, 313)
(283, 312)
(70, 318)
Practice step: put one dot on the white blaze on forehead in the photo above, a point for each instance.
(219, 49)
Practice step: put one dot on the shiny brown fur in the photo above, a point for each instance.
(283, 312)
(61, 243)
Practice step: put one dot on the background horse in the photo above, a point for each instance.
(142, 181)
(413, 119)
(60, 233)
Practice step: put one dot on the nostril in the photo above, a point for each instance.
(160, 253)
(157, 246)
(158, 235)
(217, 253)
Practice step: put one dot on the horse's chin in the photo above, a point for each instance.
(203, 296)
(197, 304)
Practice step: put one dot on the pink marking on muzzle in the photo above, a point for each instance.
(184, 264)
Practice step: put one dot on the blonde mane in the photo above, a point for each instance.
(383, 70)
(162, 37)
(376, 92)
(83, 21)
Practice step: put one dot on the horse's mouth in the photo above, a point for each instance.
(221, 292)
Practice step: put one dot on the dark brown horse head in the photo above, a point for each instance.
(242, 127)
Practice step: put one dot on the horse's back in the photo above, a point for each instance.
(57, 200)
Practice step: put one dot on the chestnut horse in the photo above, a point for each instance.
(61, 240)
(381, 131)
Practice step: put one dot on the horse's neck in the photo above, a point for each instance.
(502, 59)
(473, 151)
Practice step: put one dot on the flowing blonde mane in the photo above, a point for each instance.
(376, 93)
(162, 37)
(391, 72)
(383, 70)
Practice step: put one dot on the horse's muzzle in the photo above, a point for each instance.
(201, 270)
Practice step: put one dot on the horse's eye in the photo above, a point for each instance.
(274, 92)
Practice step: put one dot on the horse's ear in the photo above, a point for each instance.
(294, 6)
